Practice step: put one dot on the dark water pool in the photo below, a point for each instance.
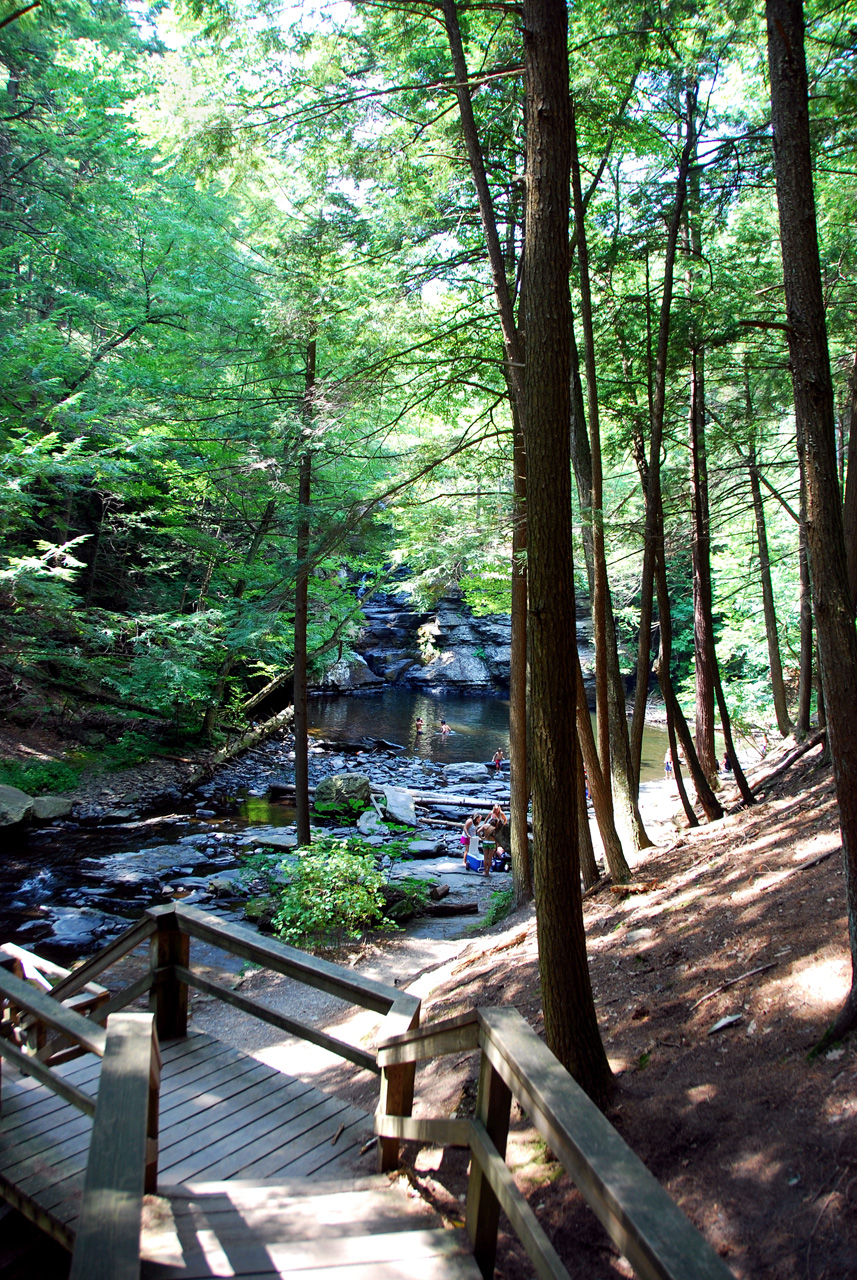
(478, 726)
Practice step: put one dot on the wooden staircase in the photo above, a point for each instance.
(359, 1229)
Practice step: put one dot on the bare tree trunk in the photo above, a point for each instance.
(571, 1025)
(653, 467)
(703, 622)
(804, 695)
(675, 716)
(514, 371)
(301, 613)
(599, 788)
(614, 744)
(778, 687)
(588, 865)
(519, 784)
(816, 432)
(849, 514)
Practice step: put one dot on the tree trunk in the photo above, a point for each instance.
(301, 612)
(599, 788)
(705, 654)
(849, 514)
(778, 687)
(571, 1026)
(514, 371)
(614, 743)
(816, 432)
(519, 786)
(653, 467)
(804, 693)
(588, 865)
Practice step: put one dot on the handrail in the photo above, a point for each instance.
(122, 1162)
(640, 1217)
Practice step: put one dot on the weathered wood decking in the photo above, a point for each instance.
(223, 1116)
(354, 1231)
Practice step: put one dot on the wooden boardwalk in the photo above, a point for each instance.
(223, 1115)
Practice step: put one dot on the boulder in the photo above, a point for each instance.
(426, 848)
(369, 824)
(343, 793)
(398, 806)
(350, 673)
(45, 808)
(15, 806)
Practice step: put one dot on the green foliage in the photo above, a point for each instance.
(334, 891)
(500, 905)
(41, 777)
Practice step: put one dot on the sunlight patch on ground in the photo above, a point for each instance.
(822, 982)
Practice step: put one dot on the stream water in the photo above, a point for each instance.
(66, 890)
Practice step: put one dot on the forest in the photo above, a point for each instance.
(519, 300)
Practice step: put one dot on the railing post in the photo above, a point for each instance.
(482, 1216)
(168, 997)
(150, 1181)
(397, 1095)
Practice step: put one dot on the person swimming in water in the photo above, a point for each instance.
(444, 727)
(420, 725)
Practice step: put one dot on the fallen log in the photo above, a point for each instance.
(788, 761)
(451, 909)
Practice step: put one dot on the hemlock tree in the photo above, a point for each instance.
(816, 434)
(571, 1026)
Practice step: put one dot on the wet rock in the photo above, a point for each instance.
(46, 808)
(272, 838)
(15, 806)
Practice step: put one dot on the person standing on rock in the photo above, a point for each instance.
(498, 760)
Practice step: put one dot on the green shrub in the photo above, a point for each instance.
(40, 777)
(132, 748)
(334, 891)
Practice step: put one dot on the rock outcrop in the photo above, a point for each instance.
(15, 806)
(444, 648)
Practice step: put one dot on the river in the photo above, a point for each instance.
(67, 889)
(478, 726)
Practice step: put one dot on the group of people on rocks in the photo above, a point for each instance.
(478, 827)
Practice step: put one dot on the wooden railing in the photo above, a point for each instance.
(170, 974)
(123, 1153)
(640, 1217)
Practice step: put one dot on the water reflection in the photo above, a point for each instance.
(478, 726)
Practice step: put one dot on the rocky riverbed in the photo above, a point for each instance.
(75, 881)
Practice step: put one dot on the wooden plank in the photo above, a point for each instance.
(539, 1249)
(48, 1009)
(265, 1014)
(45, 1076)
(290, 961)
(452, 1035)
(168, 998)
(438, 1132)
(482, 1215)
(411, 1250)
(127, 941)
(306, 1153)
(321, 1157)
(35, 1214)
(209, 1121)
(219, 1157)
(107, 1245)
(640, 1217)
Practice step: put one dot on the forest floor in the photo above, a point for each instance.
(750, 1133)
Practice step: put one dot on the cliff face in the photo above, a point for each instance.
(444, 648)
